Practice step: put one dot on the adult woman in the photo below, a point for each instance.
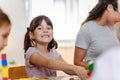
(97, 34)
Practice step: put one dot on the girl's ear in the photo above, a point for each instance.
(110, 7)
(31, 35)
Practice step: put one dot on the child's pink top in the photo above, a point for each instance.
(39, 72)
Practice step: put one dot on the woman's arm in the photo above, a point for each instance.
(41, 61)
(79, 56)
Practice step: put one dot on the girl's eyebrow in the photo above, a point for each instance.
(39, 25)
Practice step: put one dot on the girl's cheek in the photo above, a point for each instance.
(117, 16)
(1, 45)
(1, 42)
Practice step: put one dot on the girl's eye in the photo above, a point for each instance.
(5, 36)
(49, 28)
(39, 28)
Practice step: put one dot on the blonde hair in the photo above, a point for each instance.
(4, 19)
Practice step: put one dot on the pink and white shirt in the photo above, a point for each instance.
(39, 72)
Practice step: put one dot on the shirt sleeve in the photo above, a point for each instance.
(28, 54)
(83, 38)
(55, 54)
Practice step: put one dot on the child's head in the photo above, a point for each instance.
(40, 32)
(5, 27)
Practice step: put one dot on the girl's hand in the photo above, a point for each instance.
(81, 72)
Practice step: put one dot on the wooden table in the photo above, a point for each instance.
(53, 78)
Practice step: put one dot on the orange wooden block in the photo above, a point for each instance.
(17, 72)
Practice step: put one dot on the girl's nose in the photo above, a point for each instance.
(45, 30)
(117, 16)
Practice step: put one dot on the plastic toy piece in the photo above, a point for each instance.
(71, 79)
(26, 79)
(91, 68)
(30, 79)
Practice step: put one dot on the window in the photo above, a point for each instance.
(66, 15)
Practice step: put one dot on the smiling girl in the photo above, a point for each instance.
(41, 58)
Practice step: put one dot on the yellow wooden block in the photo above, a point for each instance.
(30, 79)
(37, 79)
(26, 79)
(4, 71)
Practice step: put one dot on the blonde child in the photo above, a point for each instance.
(5, 27)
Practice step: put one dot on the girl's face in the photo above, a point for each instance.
(43, 33)
(4, 32)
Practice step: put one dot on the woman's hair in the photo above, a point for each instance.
(4, 19)
(99, 9)
(33, 25)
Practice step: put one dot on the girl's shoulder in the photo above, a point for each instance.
(54, 53)
(53, 50)
(31, 50)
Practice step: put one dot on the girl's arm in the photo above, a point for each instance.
(79, 56)
(67, 71)
(42, 61)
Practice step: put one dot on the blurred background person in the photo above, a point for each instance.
(107, 65)
(5, 27)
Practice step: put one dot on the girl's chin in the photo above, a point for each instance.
(46, 42)
(1, 49)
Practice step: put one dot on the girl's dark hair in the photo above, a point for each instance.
(99, 9)
(33, 25)
(4, 19)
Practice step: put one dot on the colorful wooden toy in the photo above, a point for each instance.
(91, 68)
(4, 68)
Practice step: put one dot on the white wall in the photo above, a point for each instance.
(62, 31)
(66, 16)
(16, 11)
